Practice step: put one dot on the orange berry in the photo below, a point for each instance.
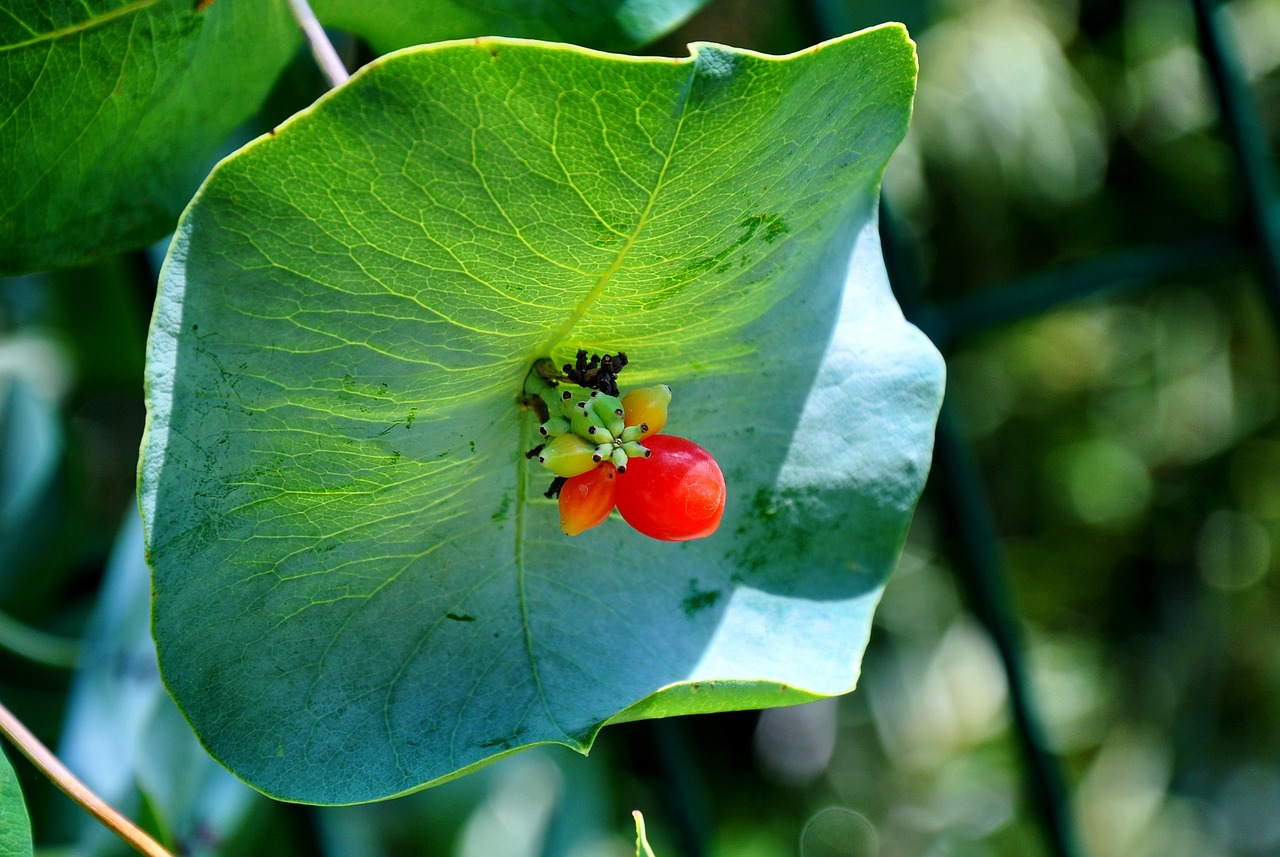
(647, 406)
(586, 500)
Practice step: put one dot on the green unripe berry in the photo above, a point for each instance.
(568, 404)
(598, 434)
(583, 420)
(610, 411)
(554, 427)
(568, 455)
(633, 433)
(634, 450)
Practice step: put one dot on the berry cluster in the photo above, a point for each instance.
(606, 453)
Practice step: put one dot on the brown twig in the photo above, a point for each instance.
(51, 767)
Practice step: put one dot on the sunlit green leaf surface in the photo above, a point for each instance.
(111, 112)
(359, 587)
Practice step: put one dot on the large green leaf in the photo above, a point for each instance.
(111, 112)
(359, 588)
(15, 825)
(607, 24)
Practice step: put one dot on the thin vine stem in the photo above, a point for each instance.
(52, 768)
(321, 48)
(36, 645)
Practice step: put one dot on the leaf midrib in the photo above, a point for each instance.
(602, 282)
(82, 26)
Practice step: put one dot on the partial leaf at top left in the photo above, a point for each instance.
(111, 112)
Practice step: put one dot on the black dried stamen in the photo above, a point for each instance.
(556, 484)
(596, 372)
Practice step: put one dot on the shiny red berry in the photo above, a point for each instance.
(676, 494)
(586, 500)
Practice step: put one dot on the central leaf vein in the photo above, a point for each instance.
(598, 289)
(81, 26)
(602, 281)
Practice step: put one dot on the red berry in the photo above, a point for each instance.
(676, 494)
(587, 499)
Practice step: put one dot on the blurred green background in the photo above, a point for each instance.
(1128, 442)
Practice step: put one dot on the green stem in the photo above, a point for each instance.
(1246, 132)
(35, 645)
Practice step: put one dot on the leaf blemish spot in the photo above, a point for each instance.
(698, 600)
(460, 617)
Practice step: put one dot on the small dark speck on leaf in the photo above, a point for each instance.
(699, 600)
(775, 229)
(195, 327)
(460, 617)
(473, 446)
